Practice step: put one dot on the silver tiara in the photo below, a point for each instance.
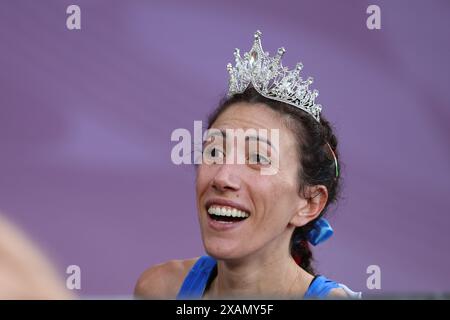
(271, 79)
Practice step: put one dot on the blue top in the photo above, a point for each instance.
(199, 276)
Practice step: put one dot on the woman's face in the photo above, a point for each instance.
(269, 206)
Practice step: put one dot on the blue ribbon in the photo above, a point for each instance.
(321, 231)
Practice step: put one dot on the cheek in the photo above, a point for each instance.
(265, 196)
(279, 200)
(203, 178)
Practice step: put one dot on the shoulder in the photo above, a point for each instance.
(337, 293)
(164, 280)
(329, 289)
(344, 292)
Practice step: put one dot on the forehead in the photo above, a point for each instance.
(256, 116)
(249, 116)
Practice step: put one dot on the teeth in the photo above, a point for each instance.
(227, 211)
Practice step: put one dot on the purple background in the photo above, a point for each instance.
(86, 118)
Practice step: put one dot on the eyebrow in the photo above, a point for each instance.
(247, 138)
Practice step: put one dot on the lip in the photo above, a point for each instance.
(220, 226)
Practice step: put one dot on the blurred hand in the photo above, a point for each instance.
(25, 273)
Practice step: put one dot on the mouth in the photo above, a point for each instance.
(226, 213)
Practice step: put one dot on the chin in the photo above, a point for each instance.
(221, 249)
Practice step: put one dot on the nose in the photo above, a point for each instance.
(226, 179)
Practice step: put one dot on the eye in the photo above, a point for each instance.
(256, 158)
(213, 154)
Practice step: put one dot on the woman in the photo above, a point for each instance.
(255, 226)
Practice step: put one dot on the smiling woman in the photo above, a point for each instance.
(256, 227)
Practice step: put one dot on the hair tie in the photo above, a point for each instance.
(320, 232)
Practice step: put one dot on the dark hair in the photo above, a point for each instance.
(317, 164)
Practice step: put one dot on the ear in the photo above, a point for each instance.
(311, 206)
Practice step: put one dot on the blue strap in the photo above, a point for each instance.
(195, 282)
(320, 288)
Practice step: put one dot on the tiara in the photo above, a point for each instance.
(271, 79)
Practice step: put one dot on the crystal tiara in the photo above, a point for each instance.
(271, 79)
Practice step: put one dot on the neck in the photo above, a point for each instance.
(269, 273)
